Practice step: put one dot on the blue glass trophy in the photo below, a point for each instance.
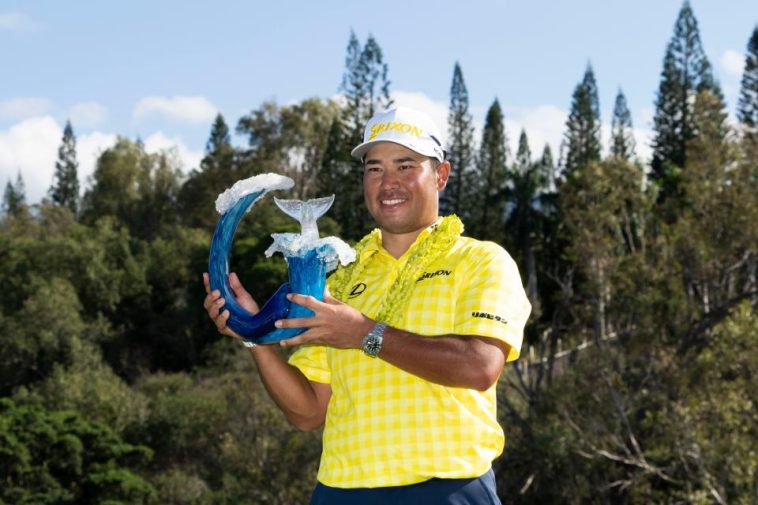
(309, 258)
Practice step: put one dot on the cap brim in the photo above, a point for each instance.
(360, 151)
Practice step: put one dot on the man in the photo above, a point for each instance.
(400, 364)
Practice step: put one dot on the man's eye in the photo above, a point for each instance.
(372, 169)
(406, 167)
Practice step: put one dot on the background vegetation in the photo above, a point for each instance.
(637, 380)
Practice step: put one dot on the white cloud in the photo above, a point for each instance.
(645, 117)
(24, 107)
(191, 109)
(31, 148)
(733, 62)
(644, 140)
(188, 159)
(87, 114)
(17, 22)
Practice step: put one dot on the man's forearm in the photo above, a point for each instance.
(450, 360)
(293, 393)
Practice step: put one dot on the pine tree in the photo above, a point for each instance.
(219, 153)
(353, 87)
(339, 175)
(747, 106)
(547, 170)
(583, 125)
(686, 71)
(622, 136)
(491, 175)
(219, 138)
(374, 73)
(14, 197)
(460, 145)
(65, 188)
(524, 220)
(365, 85)
(217, 171)
(524, 154)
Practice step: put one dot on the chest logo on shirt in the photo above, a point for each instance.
(430, 275)
(357, 290)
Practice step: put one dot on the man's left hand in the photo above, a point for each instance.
(334, 323)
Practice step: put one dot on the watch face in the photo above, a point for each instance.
(372, 345)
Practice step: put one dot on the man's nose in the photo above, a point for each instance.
(389, 179)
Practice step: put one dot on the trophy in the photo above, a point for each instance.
(308, 257)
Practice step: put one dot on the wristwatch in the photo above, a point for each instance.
(372, 343)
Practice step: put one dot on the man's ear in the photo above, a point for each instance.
(443, 172)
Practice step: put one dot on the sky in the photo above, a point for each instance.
(161, 70)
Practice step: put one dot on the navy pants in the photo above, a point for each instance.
(479, 491)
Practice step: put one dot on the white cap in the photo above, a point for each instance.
(405, 126)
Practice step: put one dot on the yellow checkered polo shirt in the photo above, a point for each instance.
(387, 427)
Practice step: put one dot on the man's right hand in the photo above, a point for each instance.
(302, 401)
(213, 303)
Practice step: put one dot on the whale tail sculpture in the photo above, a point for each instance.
(306, 213)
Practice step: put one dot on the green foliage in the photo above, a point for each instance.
(686, 71)
(226, 420)
(528, 207)
(490, 177)
(96, 260)
(583, 125)
(138, 189)
(747, 105)
(14, 197)
(365, 84)
(65, 188)
(87, 384)
(58, 457)
(460, 149)
(622, 136)
(32, 350)
(630, 413)
(289, 140)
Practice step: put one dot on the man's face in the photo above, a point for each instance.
(401, 187)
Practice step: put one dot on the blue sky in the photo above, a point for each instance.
(161, 70)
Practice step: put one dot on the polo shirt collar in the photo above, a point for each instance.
(375, 242)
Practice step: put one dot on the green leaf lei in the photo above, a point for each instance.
(439, 241)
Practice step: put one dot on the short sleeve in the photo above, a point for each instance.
(312, 361)
(491, 299)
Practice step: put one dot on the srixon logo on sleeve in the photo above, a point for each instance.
(492, 317)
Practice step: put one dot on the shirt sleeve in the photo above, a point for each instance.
(492, 301)
(312, 361)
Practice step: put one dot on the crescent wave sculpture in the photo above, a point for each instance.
(308, 257)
